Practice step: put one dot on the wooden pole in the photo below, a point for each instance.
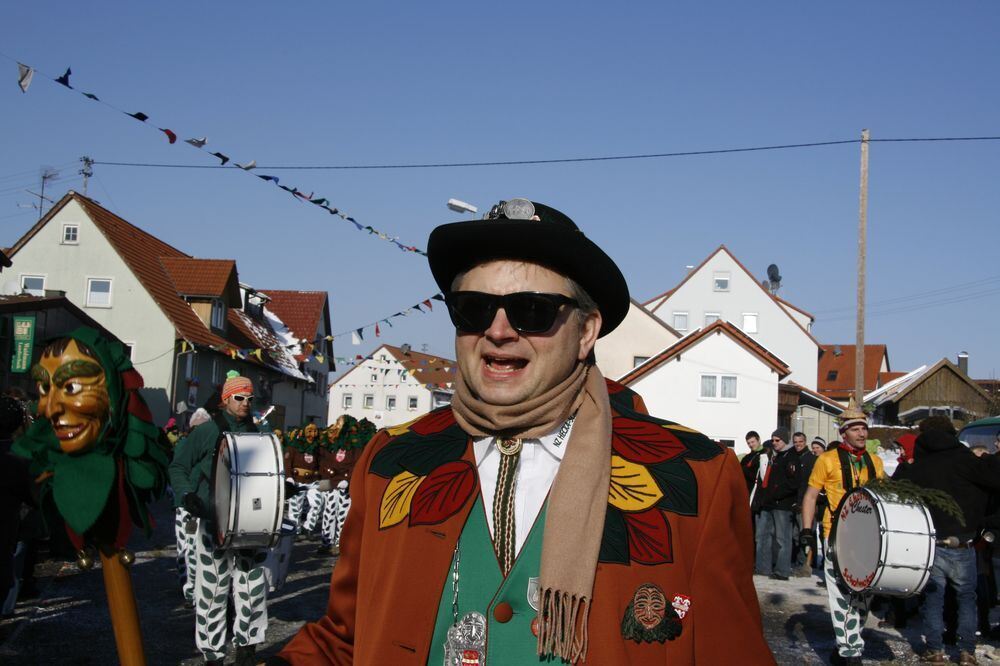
(124, 615)
(859, 356)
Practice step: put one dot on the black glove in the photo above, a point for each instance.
(193, 505)
(807, 540)
(292, 489)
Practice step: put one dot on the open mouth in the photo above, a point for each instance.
(64, 431)
(502, 365)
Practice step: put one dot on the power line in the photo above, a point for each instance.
(563, 160)
(949, 300)
(915, 297)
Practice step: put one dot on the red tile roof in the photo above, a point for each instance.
(836, 371)
(215, 278)
(146, 256)
(302, 311)
(718, 326)
(427, 368)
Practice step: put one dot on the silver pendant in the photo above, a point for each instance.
(466, 643)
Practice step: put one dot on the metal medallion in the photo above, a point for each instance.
(534, 593)
(466, 642)
(518, 209)
(509, 447)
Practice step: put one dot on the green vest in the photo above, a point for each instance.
(481, 587)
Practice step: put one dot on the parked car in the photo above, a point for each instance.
(984, 432)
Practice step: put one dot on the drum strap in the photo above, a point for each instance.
(847, 471)
(224, 426)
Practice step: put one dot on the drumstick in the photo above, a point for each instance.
(267, 412)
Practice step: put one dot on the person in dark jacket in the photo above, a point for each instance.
(942, 462)
(778, 492)
(802, 461)
(17, 490)
(751, 461)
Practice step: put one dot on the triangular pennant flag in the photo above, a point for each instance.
(64, 79)
(252, 164)
(24, 76)
(184, 346)
(232, 353)
(222, 157)
(438, 297)
(417, 306)
(428, 304)
(91, 96)
(377, 331)
(139, 115)
(356, 337)
(319, 202)
(329, 338)
(259, 354)
(197, 143)
(263, 177)
(320, 358)
(388, 322)
(171, 137)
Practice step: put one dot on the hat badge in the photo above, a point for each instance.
(515, 209)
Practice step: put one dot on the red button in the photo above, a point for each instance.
(502, 612)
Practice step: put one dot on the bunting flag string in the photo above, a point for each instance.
(25, 73)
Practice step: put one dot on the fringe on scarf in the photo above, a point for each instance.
(563, 626)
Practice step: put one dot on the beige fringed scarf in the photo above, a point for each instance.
(578, 500)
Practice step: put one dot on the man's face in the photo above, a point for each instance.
(73, 395)
(238, 406)
(799, 442)
(856, 435)
(817, 448)
(310, 432)
(778, 443)
(504, 367)
(753, 443)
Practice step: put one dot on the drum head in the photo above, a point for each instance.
(857, 540)
(222, 488)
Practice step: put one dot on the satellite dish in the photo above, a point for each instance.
(773, 275)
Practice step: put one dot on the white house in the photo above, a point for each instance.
(721, 288)
(393, 385)
(717, 380)
(183, 318)
(640, 336)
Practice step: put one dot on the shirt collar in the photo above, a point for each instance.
(554, 442)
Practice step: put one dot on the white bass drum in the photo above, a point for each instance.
(248, 490)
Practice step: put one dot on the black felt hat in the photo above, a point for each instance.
(529, 231)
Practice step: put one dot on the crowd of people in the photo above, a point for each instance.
(795, 491)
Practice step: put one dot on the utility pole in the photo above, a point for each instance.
(87, 171)
(859, 355)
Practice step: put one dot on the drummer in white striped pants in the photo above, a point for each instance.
(836, 472)
(220, 573)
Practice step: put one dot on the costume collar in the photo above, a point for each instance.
(554, 442)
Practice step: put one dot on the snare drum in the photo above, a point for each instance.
(881, 545)
(248, 490)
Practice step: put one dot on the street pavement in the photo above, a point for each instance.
(69, 623)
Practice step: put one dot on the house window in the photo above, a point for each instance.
(98, 293)
(374, 379)
(711, 317)
(218, 314)
(369, 401)
(390, 402)
(719, 387)
(216, 372)
(681, 321)
(33, 285)
(749, 322)
(347, 401)
(831, 375)
(411, 403)
(639, 360)
(71, 234)
(721, 281)
(731, 443)
(189, 366)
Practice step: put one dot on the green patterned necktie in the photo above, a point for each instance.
(504, 535)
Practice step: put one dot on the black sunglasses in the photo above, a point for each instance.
(527, 311)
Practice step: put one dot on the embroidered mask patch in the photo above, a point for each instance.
(649, 618)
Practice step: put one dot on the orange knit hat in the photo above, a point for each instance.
(236, 385)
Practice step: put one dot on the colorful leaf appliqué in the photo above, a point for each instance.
(644, 442)
(632, 486)
(649, 540)
(443, 492)
(397, 499)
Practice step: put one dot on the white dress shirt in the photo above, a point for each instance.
(536, 470)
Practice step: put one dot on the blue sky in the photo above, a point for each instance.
(375, 83)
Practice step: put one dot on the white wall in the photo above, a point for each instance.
(813, 421)
(133, 316)
(370, 378)
(672, 391)
(640, 334)
(776, 330)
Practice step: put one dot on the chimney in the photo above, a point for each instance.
(963, 362)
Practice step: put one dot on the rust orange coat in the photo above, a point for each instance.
(387, 585)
